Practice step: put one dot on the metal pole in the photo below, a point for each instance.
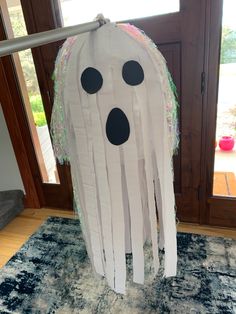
(34, 40)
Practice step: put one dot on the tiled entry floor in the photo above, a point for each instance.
(225, 173)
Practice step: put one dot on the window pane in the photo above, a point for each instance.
(225, 152)
(76, 12)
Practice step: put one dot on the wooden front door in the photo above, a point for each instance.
(180, 37)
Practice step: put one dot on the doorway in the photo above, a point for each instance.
(188, 35)
(217, 163)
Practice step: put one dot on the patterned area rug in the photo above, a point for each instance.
(52, 274)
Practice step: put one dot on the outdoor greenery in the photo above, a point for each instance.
(27, 64)
(228, 46)
(36, 103)
(38, 110)
(39, 118)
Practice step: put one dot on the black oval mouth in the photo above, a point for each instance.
(117, 127)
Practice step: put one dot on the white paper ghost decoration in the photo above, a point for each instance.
(113, 119)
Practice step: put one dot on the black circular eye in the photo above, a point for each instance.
(132, 73)
(91, 80)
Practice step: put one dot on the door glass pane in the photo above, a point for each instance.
(15, 24)
(225, 151)
(76, 12)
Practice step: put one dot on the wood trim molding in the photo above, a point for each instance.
(211, 69)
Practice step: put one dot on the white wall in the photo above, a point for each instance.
(10, 178)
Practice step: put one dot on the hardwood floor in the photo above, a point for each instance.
(16, 233)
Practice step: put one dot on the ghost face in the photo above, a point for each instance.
(115, 108)
(115, 78)
(117, 125)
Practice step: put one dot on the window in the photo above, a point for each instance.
(77, 12)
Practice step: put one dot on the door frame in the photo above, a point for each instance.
(219, 210)
(42, 16)
(38, 193)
